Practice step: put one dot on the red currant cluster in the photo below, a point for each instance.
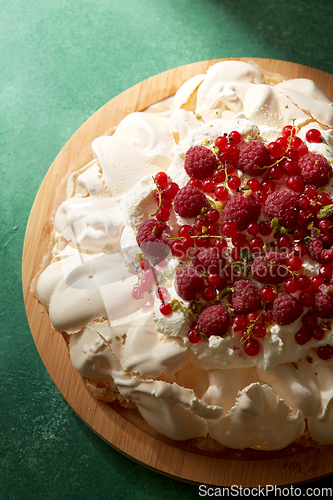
(164, 195)
(252, 327)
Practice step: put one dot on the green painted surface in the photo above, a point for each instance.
(59, 63)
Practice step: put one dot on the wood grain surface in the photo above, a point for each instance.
(125, 430)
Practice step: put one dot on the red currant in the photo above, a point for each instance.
(239, 323)
(256, 244)
(187, 242)
(195, 183)
(284, 242)
(199, 224)
(267, 317)
(265, 228)
(137, 293)
(235, 137)
(316, 282)
(302, 336)
(303, 149)
(253, 184)
(276, 172)
(215, 281)
(166, 309)
(283, 141)
(252, 317)
(229, 229)
(185, 230)
(239, 240)
(194, 336)
(234, 182)
(163, 214)
(292, 154)
(212, 215)
(325, 272)
(221, 193)
(208, 185)
(218, 176)
(252, 347)
(324, 225)
(304, 282)
(294, 263)
(268, 186)
(303, 202)
(295, 183)
(309, 321)
(324, 198)
(171, 190)
(275, 149)
(311, 192)
(261, 195)
(268, 293)
(325, 351)
(300, 248)
(208, 294)
(288, 130)
(161, 179)
(221, 142)
(162, 293)
(220, 244)
(253, 228)
(313, 135)
(177, 249)
(296, 143)
(291, 285)
(231, 150)
(318, 333)
(290, 167)
(144, 264)
(259, 330)
(306, 299)
(299, 233)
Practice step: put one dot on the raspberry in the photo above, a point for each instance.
(318, 253)
(209, 260)
(323, 305)
(151, 238)
(286, 309)
(242, 208)
(315, 169)
(245, 298)
(253, 158)
(270, 268)
(189, 201)
(200, 162)
(188, 282)
(283, 205)
(213, 320)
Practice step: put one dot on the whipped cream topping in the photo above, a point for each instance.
(182, 390)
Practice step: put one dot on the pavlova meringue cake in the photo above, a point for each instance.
(192, 259)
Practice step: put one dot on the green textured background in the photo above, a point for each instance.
(60, 62)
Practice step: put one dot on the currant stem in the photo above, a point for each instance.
(159, 199)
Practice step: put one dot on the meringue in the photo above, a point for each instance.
(182, 390)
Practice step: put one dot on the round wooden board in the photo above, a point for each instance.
(129, 434)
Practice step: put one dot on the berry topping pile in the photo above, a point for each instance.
(256, 246)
